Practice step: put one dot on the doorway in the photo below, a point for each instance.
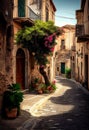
(20, 68)
(86, 71)
(63, 68)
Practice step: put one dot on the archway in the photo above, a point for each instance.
(20, 68)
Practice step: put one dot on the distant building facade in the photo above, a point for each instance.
(64, 50)
(82, 46)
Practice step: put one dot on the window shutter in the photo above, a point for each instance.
(21, 8)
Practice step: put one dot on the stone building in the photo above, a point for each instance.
(24, 14)
(6, 46)
(16, 63)
(21, 57)
(64, 50)
(45, 9)
(82, 45)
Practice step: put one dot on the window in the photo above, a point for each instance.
(21, 8)
(57, 68)
(52, 15)
(47, 14)
(87, 8)
(39, 4)
(73, 58)
(81, 52)
(47, 3)
(62, 44)
(81, 67)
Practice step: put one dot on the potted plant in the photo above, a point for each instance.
(35, 83)
(68, 73)
(52, 87)
(11, 101)
(41, 88)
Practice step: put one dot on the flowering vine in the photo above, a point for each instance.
(40, 41)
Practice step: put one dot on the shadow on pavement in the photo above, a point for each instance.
(76, 118)
(6, 124)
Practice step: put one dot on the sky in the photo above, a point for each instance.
(65, 13)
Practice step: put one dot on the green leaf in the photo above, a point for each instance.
(33, 38)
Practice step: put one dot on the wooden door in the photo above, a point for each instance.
(20, 68)
(63, 68)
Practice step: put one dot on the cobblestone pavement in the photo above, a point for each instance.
(68, 109)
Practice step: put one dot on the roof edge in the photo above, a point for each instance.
(53, 5)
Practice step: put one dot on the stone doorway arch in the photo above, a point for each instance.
(20, 68)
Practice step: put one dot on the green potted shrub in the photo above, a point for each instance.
(11, 101)
(41, 88)
(35, 83)
(52, 87)
(68, 73)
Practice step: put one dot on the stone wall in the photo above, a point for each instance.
(36, 74)
(6, 42)
(3, 86)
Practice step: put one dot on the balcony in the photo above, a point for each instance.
(81, 33)
(24, 16)
(25, 12)
(79, 30)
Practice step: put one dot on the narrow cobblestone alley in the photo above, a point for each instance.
(66, 110)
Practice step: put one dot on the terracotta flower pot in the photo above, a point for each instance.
(40, 91)
(11, 113)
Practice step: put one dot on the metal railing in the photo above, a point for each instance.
(79, 30)
(28, 13)
(32, 14)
